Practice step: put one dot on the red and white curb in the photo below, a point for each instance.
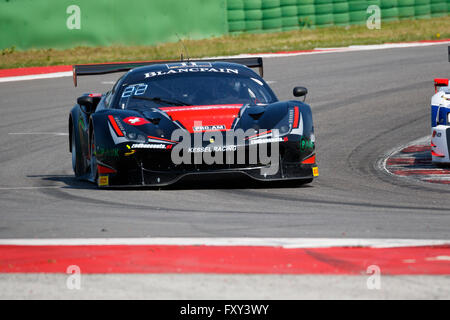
(414, 162)
(34, 73)
(226, 256)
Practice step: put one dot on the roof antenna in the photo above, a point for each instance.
(185, 49)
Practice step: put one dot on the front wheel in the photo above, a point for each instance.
(76, 155)
(93, 160)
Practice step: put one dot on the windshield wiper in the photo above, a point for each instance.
(158, 99)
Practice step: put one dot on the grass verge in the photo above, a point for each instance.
(405, 30)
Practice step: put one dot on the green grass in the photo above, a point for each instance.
(405, 30)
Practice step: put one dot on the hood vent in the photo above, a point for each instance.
(256, 112)
(152, 116)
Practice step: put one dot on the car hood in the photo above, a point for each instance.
(204, 118)
(161, 122)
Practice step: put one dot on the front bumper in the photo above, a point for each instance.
(155, 167)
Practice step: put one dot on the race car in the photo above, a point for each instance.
(440, 121)
(165, 120)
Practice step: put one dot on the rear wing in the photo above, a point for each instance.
(104, 68)
(439, 82)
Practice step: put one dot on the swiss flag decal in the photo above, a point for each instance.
(136, 121)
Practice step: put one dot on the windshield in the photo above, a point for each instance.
(195, 89)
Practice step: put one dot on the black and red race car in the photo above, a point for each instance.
(164, 120)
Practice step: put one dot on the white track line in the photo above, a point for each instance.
(41, 133)
(38, 76)
(263, 55)
(337, 50)
(288, 243)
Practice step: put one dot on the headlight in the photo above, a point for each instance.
(448, 118)
(284, 129)
(131, 135)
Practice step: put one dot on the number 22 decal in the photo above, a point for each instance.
(134, 90)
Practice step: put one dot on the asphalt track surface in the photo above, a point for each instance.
(364, 104)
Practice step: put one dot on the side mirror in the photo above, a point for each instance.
(300, 91)
(87, 103)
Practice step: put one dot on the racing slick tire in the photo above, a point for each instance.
(93, 159)
(77, 161)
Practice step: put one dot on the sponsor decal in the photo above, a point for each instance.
(268, 140)
(117, 125)
(212, 148)
(190, 149)
(148, 146)
(134, 90)
(315, 171)
(209, 128)
(103, 181)
(103, 152)
(189, 65)
(136, 121)
(190, 69)
(306, 144)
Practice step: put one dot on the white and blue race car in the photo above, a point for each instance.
(440, 121)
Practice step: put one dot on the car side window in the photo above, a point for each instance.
(108, 99)
(110, 94)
